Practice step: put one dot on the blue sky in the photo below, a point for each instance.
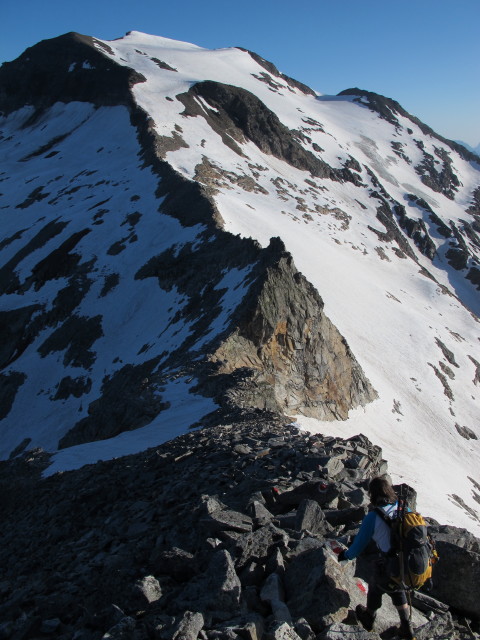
(422, 53)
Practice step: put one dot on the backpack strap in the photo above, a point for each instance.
(387, 518)
(379, 511)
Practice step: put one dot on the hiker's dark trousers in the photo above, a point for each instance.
(380, 584)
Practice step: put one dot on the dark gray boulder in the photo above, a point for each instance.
(318, 587)
(310, 517)
(273, 593)
(123, 630)
(146, 591)
(282, 631)
(177, 563)
(259, 544)
(217, 591)
(317, 490)
(227, 520)
(456, 576)
(187, 625)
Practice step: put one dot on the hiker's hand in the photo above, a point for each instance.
(341, 556)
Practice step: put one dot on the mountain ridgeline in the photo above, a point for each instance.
(189, 233)
(277, 337)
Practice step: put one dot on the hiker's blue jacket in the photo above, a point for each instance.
(374, 528)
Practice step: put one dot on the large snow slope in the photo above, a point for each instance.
(415, 334)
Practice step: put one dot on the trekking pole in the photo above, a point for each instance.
(402, 505)
(401, 517)
(401, 555)
(469, 628)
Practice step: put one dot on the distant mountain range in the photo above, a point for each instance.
(187, 233)
(469, 147)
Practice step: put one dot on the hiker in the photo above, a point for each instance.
(373, 527)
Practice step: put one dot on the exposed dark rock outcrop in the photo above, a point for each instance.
(70, 67)
(458, 255)
(393, 233)
(271, 68)
(128, 401)
(9, 282)
(236, 113)
(60, 263)
(463, 552)
(9, 384)
(417, 230)
(76, 337)
(441, 227)
(69, 386)
(298, 359)
(474, 276)
(444, 181)
(474, 208)
(387, 108)
(16, 332)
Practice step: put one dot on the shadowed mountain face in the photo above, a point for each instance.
(189, 232)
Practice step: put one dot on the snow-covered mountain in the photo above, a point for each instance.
(469, 147)
(188, 231)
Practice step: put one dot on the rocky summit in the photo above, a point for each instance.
(225, 533)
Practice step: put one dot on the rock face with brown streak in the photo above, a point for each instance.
(299, 361)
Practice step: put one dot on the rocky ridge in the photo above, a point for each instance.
(224, 533)
(292, 357)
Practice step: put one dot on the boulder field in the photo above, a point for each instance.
(224, 533)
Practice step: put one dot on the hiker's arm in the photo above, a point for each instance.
(362, 538)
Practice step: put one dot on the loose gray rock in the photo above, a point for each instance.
(340, 631)
(168, 494)
(344, 516)
(318, 587)
(304, 630)
(146, 591)
(462, 594)
(260, 514)
(188, 626)
(440, 626)
(246, 627)
(216, 591)
(177, 563)
(227, 520)
(282, 631)
(317, 490)
(310, 517)
(121, 631)
(274, 593)
(259, 544)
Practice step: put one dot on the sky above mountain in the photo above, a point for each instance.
(422, 54)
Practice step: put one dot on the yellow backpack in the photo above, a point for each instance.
(411, 545)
